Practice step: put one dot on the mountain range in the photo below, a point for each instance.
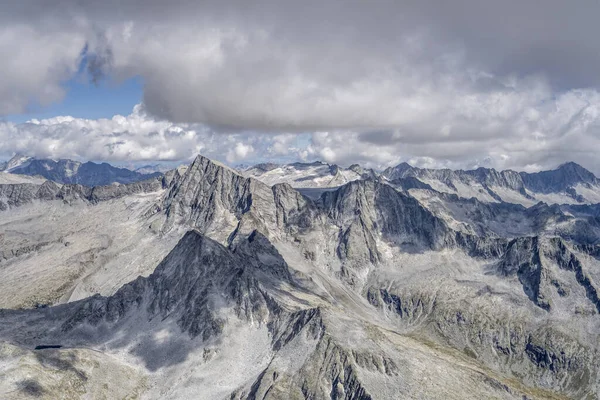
(569, 183)
(73, 172)
(303, 281)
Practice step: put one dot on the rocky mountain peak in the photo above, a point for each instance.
(219, 201)
(356, 168)
(366, 211)
(507, 294)
(186, 286)
(397, 172)
(16, 161)
(564, 178)
(576, 172)
(548, 269)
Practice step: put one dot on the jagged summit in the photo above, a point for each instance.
(571, 165)
(567, 176)
(196, 274)
(215, 198)
(570, 183)
(398, 171)
(378, 206)
(16, 161)
(567, 166)
(185, 317)
(225, 205)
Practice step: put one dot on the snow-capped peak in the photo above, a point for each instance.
(17, 161)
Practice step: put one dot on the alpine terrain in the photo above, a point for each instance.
(299, 281)
(69, 171)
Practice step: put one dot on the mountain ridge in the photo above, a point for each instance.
(489, 184)
(65, 171)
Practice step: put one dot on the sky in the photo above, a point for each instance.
(509, 84)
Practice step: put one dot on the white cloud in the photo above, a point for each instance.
(540, 134)
(134, 137)
(433, 82)
(34, 64)
(240, 152)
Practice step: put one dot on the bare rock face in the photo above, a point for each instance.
(187, 286)
(197, 278)
(483, 176)
(523, 258)
(548, 342)
(366, 212)
(395, 214)
(564, 177)
(16, 195)
(293, 210)
(48, 191)
(214, 198)
(509, 340)
(104, 193)
(548, 269)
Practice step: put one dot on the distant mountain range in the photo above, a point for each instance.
(73, 172)
(570, 183)
(307, 175)
(153, 168)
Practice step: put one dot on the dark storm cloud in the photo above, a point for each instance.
(525, 37)
(100, 61)
(554, 37)
(378, 137)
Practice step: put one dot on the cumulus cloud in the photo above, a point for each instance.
(136, 137)
(539, 136)
(239, 152)
(35, 63)
(535, 134)
(509, 84)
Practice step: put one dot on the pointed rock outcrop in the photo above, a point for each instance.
(190, 285)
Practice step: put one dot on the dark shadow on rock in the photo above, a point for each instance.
(30, 387)
(60, 360)
(157, 354)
